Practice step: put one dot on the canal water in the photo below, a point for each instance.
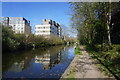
(39, 63)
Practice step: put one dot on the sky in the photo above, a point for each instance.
(37, 11)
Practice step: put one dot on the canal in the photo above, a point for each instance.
(39, 63)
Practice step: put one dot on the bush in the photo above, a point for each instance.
(110, 58)
(77, 50)
(12, 41)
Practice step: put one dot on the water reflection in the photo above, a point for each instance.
(40, 63)
(48, 60)
(18, 67)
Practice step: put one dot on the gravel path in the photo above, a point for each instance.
(84, 66)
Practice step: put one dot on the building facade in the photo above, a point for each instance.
(18, 24)
(48, 28)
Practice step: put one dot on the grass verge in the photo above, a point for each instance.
(109, 60)
(77, 50)
(71, 75)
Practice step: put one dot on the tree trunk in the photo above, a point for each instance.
(108, 30)
(108, 16)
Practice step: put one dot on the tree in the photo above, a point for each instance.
(93, 21)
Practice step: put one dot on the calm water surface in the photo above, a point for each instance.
(39, 63)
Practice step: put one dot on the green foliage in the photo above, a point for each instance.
(12, 41)
(70, 40)
(77, 50)
(109, 58)
(92, 21)
(8, 41)
(95, 30)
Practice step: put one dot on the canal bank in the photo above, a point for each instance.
(83, 66)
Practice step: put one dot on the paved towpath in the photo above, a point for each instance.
(84, 66)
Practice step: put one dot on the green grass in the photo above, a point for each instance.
(71, 75)
(109, 58)
(77, 50)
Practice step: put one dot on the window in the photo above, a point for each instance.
(21, 31)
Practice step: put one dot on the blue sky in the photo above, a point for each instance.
(36, 11)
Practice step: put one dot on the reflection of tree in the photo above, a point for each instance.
(50, 58)
(18, 67)
(66, 54)
(16, 59)
(10, 60)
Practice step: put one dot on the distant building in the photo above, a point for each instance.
(5, 21)
(48, 28)
(18, 24)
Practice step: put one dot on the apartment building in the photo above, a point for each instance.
(48, 28)
(18, 24)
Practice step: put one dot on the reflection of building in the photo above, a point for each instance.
(18, 24)
(17, 67)
(48, 28)
(48, 60)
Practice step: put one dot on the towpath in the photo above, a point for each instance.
(83, 66)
